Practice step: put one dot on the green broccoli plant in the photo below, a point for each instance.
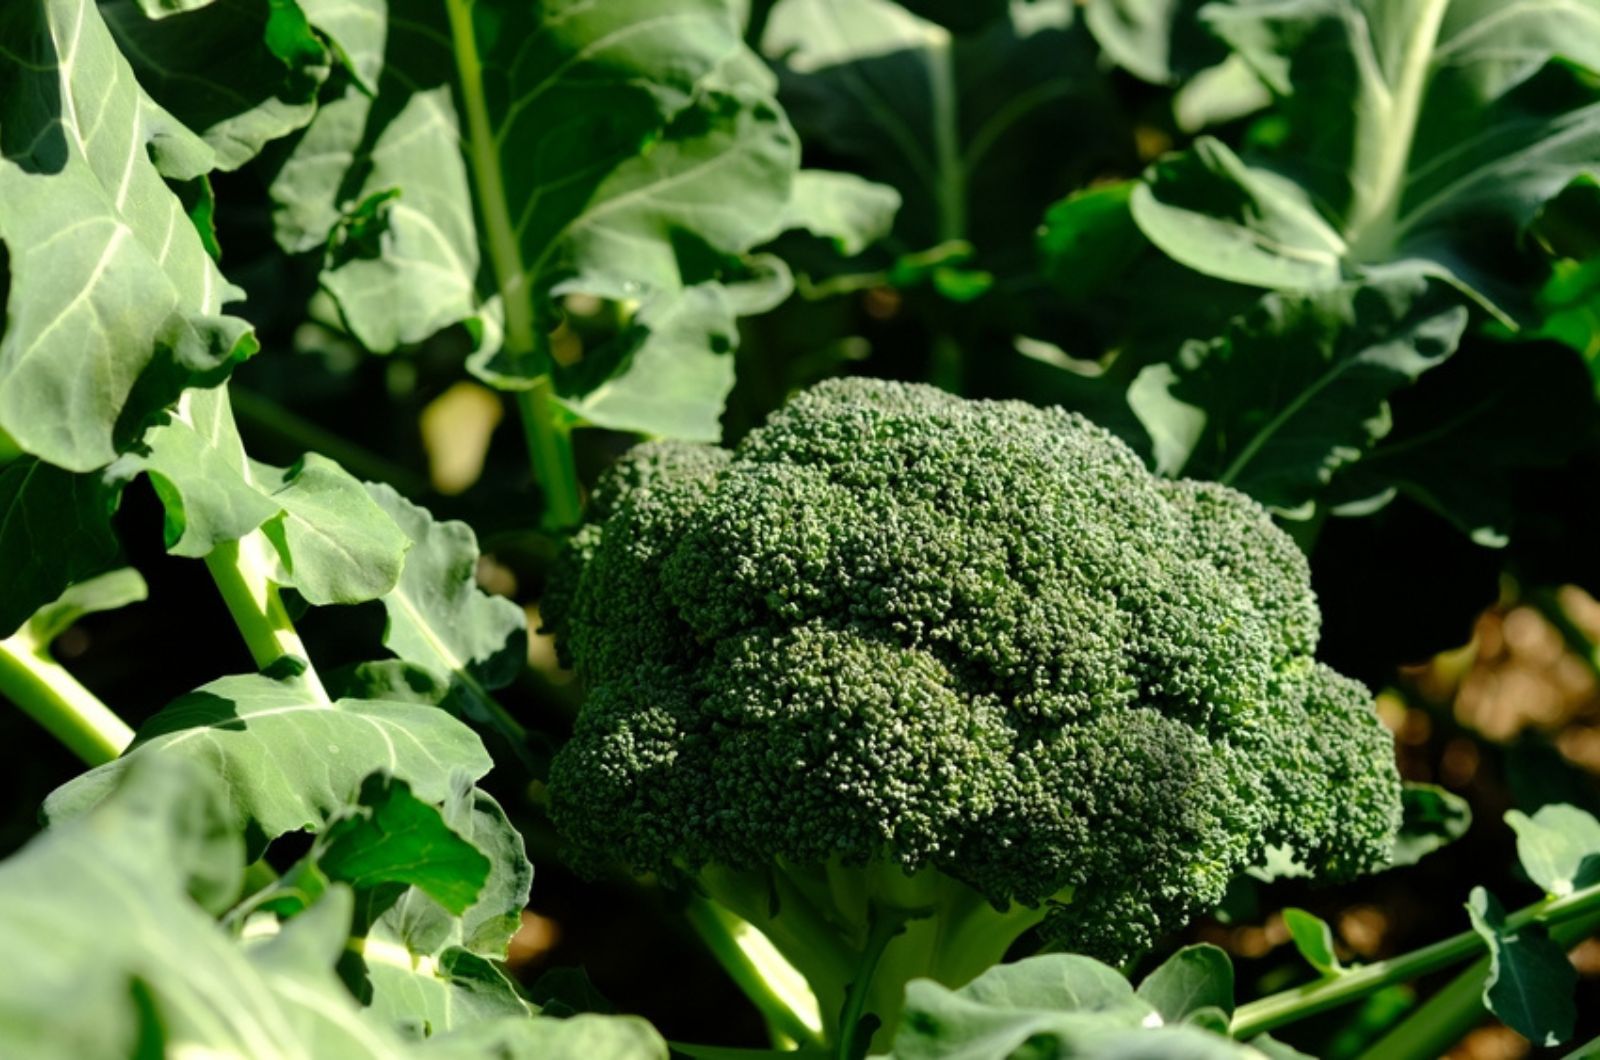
(905, 675)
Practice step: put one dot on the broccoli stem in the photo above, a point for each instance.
(855, 1034)
(859, 934)
(1288, 1006)
(258, 611)
(46, 692)
(767, 979)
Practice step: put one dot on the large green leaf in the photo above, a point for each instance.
(1501, 411)
(114, 303)
(55, 531)
(1194, 978)
(1297, 387)
(108, 953)
(950, 121)
(541, 113)
(238, 72)
(291, 761)
(1056, 1005)
(582, 1037)
(444, 975)
(436, 901)
(322, 533)
(1101, 268)
(1419, 134)
(441, 621)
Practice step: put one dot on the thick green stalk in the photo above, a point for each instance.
(545, 430)
(1288, 1006)
(858, 935)
(760, 971)
(947, 370)
(886, 924)
(1385, 139)
(51, 696)
(550, 451)
(257, 609)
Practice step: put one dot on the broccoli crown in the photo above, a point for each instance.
(897, 624)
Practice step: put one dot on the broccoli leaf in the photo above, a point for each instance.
(948, 120)
(1448, 148)
(842, 207)
(582, 1037)
(553, 108)
(1314, 939)
(1065, 1004)
(391, 836)
(104, 592)
(291, 761)
(240, 73)
(436, 900)
(1559, 847)
(1195, 978)
(100, 916)
(447, 977)
(1531, 982)
(55, 531)
(1161, 41)
(441, 621)
(114, 303)
(1295, 388)
(1433, 818)
(322, 532)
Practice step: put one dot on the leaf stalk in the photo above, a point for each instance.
(51, 696)
(257, 608)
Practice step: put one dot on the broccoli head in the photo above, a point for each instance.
(900, 649)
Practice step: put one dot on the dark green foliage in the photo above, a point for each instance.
(898, 626)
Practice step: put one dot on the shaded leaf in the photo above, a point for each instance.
(55, 531)
(390, 836)
(1160, 41)
(1296, 388)
(1433, 817)
(104, 592)
(240, 73)
(949, 120)
(1531, 983)
(1420, 134)
(1473, 413)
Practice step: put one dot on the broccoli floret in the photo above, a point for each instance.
(962, 667)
